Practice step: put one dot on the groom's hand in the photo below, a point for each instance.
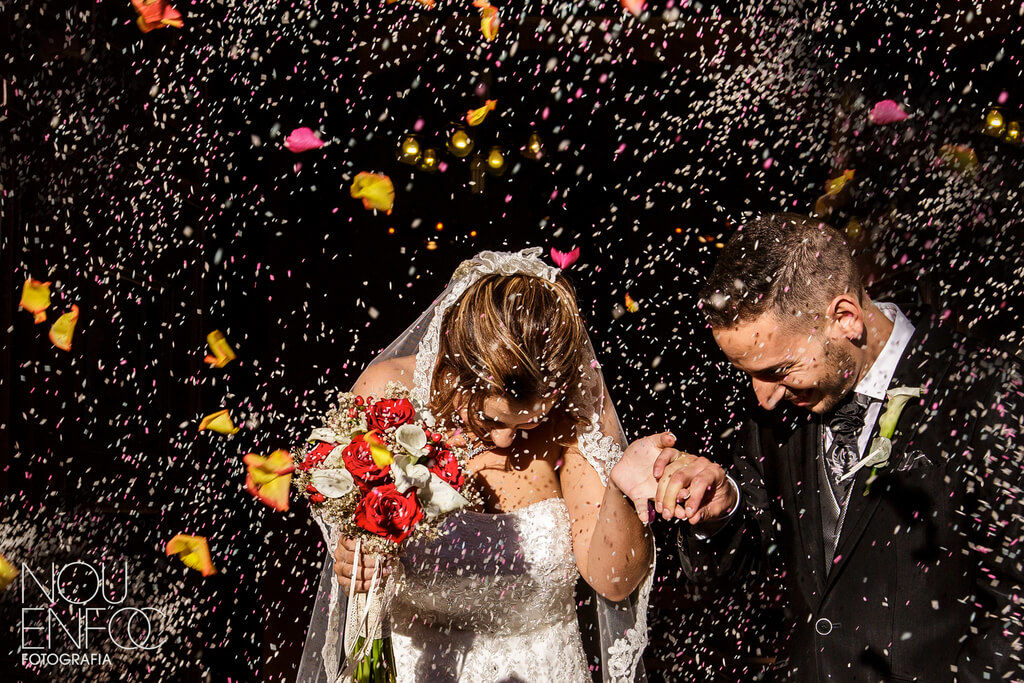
(702, 484)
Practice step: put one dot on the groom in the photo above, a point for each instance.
(905, 568)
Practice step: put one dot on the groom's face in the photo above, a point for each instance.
(790, 361)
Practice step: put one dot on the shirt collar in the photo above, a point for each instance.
(876, 382)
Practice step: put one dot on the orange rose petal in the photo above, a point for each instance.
(475, 117)
(376, 191)
(222, 351)
(274, 493)
(835, 185)
(193, 551)
(63, 328)
(489, 23)
(35, 298)
(155, 14)
(219, 422)
(634, 7)
(269, 478)
(8, 572)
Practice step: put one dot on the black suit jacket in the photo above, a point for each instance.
(930, 557)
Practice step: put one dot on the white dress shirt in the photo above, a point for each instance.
(872, 386)
(876, 382)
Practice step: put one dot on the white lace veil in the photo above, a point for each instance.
(623, 625)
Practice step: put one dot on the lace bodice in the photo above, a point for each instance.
(491, 599)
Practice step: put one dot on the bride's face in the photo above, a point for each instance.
(503, 418)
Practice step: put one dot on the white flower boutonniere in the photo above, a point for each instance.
(881, 446)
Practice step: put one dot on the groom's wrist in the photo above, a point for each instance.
(706, 530)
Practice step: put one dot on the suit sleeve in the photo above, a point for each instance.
(740, 547)
(995, 527)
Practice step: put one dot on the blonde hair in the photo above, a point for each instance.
(517, 337)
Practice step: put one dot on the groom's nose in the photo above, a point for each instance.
(768, 393)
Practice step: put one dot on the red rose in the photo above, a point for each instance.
(389, 412)
(446, 466)
(360, 464)
(386, 512)
(316, 456)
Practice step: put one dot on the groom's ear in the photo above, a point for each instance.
(846, 317)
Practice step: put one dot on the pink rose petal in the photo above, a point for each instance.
(885, 112)
(564, 259)
(302, 140)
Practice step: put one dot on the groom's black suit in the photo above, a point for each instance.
(930, 555)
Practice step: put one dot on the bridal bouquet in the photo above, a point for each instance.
(378, 472)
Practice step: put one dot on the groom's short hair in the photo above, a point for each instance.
(786, 263)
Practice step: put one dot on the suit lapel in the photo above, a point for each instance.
(926, 361)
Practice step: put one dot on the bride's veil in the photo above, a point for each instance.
(623, 625)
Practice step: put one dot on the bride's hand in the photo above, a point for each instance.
(344, 554)
(634, 473)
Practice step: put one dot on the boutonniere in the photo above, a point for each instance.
(881, 446)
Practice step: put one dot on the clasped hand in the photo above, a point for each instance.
(682, 485)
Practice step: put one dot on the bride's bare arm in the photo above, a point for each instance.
(613, 548)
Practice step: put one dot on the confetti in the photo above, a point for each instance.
(959, 157)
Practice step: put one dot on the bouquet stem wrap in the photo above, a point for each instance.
(367, 637)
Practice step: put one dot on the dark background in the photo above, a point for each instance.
(144, 175)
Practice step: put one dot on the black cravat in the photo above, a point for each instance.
(846, 423)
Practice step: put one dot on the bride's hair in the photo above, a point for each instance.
(517, 337)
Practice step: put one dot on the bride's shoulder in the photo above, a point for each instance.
(377, 376)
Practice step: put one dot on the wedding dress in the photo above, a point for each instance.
(492, 599)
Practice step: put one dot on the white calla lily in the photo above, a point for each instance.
(878, 454)
(896, 399)
(333, 459)
(412, 476)
(325, 434)
(435, 495)
(441, 498)
(412, 438)
(333, 483)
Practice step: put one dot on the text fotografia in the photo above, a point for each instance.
(63, 659)
(68, 609)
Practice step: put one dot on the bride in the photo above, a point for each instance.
(502, 360)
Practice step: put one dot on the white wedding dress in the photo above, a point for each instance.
(492, 599)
